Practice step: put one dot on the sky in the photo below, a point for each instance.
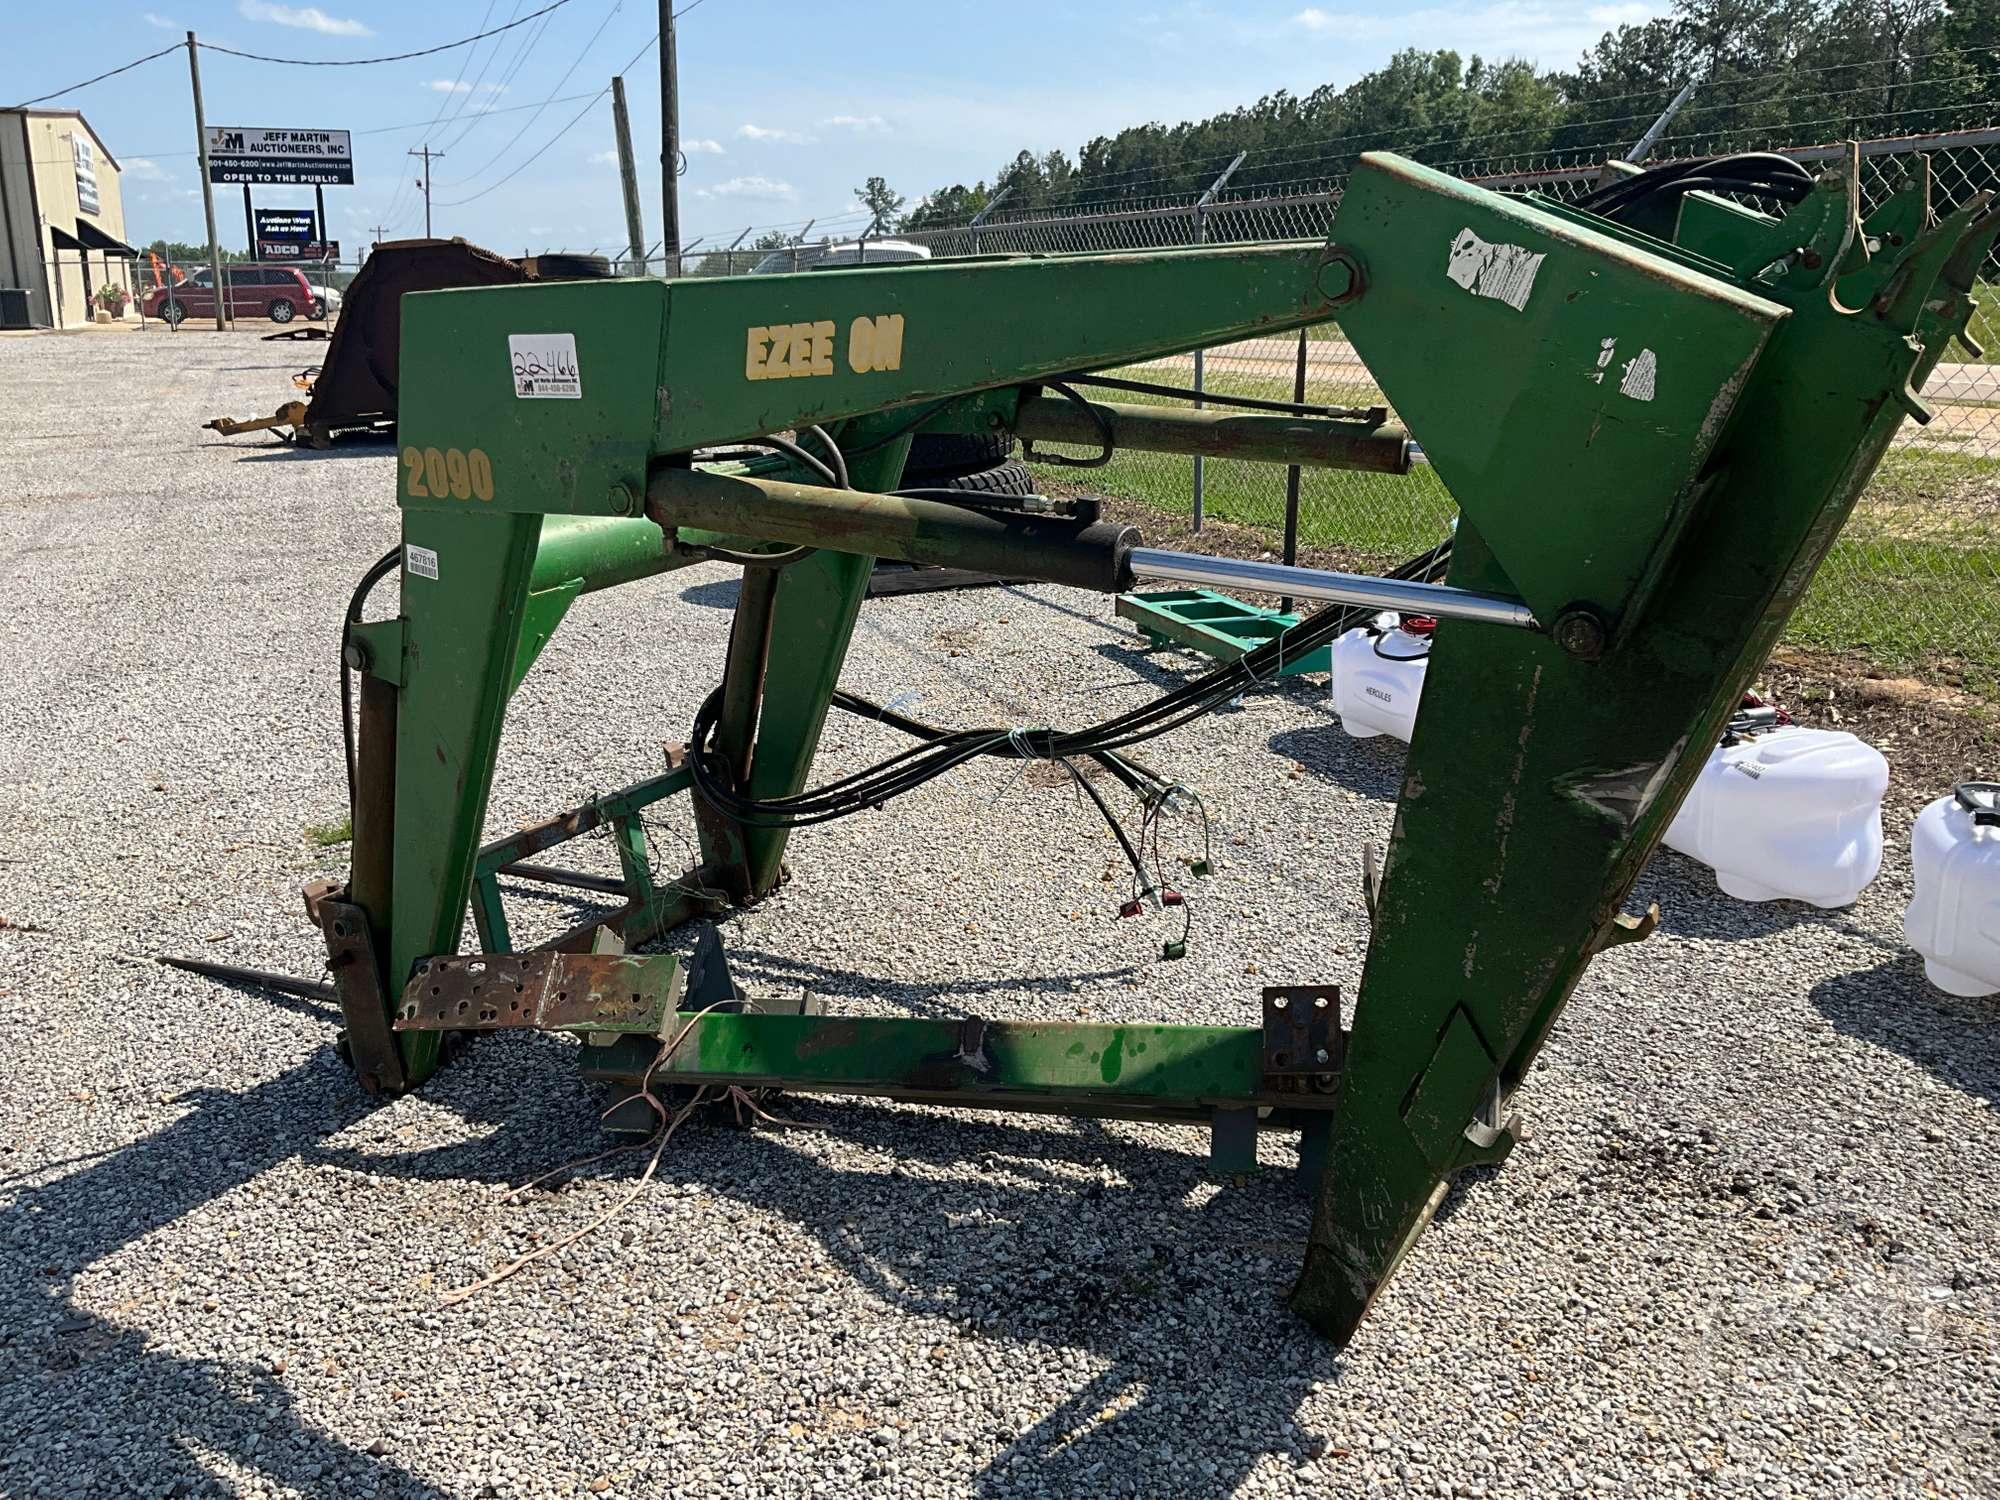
(786, 105)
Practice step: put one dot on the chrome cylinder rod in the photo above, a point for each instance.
(1436, 599)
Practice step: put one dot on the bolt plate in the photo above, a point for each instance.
(1304, 1043)
(590, 992)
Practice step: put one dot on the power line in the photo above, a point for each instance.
(455, 99)
(363, 62)
(653, 41)
(528, 123)
(452, 97)
(112, 74)
(530, 40)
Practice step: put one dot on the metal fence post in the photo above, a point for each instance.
(1643, 147)
(1292, 475)
(1200, 371)
(980, 218)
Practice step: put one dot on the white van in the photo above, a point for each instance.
(834, 257)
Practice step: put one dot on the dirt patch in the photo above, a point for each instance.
(1933, 734)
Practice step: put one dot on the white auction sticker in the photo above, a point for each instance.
(545, 366)
(420, 560)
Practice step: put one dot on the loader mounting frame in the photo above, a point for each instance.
(1652, 443)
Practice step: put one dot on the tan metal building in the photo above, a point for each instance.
(62, 220)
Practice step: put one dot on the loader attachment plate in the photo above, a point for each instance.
(588, 992)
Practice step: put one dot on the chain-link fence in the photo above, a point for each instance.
(1914, 580)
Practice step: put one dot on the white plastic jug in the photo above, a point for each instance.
(1787, 813)
(1378, 676)
(1954, 915)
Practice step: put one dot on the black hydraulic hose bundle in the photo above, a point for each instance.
(380, 569)
(908, 769)
(1757, 174)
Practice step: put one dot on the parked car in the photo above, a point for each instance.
(326, 303)
(835, 257)
(279, 293)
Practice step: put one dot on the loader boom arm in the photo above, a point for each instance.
(1652, 448)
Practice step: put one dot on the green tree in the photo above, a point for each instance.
(880, 200)
(948, 207)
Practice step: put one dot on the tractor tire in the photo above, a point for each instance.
(281, 310)
(1010, 480)
(564, 266)
(936, 452)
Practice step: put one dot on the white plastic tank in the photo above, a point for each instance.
(1378, 675)
(1784, 812)
(1954, 915)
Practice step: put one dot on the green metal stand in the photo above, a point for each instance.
(1653, 445)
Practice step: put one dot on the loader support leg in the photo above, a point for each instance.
(462, 630)
(794, 639)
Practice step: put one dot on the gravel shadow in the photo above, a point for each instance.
(1371, 767)
(719, 593)
(155, 1411)
(1892, 1005)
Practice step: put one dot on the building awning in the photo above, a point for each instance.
(96, 239)
(62, 240)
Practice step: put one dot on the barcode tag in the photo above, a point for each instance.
(420, 560)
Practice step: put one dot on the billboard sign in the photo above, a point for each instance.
(293, 225)
(280, 158)
(270, 250)
(85, 158)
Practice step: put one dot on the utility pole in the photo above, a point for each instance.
(207, 187)
(628, 178)
(429, 156)
(670, 142)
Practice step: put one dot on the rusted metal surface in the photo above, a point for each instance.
(616, 993)
(1304, 1045)
(1315, 442)
(291, 414)
(358, 379)
(263, 979)
(350, 954)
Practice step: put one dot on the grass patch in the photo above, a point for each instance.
(1912, 584)
(328, 835)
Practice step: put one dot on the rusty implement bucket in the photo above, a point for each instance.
(357, 380)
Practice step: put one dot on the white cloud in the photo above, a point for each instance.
(1542, 31)
(304, 17)
(764, 188)
(165, 23)
(781, 137)
(703, 148)
(447, 86)
(144, 169)
(855, 122)
(603, 158)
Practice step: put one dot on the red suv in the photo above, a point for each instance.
(275, 292)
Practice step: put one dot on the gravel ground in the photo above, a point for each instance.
(1749, 1248)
